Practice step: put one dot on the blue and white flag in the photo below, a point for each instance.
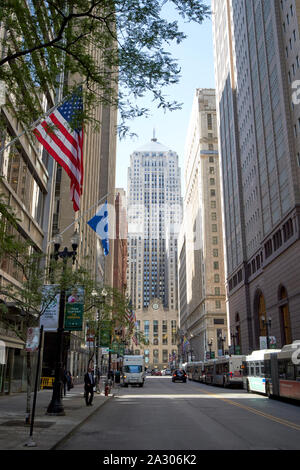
(99, 223)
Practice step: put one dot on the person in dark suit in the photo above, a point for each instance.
(89, 384)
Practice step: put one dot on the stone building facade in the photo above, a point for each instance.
(256, 63)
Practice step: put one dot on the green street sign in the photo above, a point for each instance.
(74, 309)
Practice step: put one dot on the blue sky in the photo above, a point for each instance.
(195, 56)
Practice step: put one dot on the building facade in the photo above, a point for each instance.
(120, 242)
(256, 62)
(203, 320)
(154, 211)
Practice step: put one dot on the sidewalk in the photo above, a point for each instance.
(48, 431)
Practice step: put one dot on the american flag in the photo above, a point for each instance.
(131, 317)
(61, 134)
(134, 339)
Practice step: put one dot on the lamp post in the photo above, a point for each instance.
(233, 337)
(267, 325)
(210, 343)
(223, 339)
(96, 338)
(55, 407)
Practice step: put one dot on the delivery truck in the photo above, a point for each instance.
(133, 370)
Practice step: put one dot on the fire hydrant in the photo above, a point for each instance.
(106, 389)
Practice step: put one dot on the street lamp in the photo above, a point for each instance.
(234, 337)
(102, 296)
(210, 343)
(223, 339)
(55, 407)
(267, 325)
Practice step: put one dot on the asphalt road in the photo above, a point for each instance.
(192, 416)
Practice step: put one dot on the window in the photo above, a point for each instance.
(165, 355)
(209, 122)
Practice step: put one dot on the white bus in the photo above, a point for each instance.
(254, 375)
(225, 371)
(282, 372)
(228, 371)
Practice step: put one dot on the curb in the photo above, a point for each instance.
(77, 426)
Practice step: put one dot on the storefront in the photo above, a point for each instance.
(13, 370)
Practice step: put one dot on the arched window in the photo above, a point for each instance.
(285, 321)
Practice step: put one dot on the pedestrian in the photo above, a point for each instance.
(69, 380)
(65, 382)
(117, 376)
(89, 384)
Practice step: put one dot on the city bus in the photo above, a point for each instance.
(228, 371)
(282, 371)
(224, 371)
(254, 376)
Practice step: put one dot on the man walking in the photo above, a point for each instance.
(89, 384)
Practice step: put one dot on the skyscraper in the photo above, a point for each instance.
(154, 210)
(202, 306)
(256, 61)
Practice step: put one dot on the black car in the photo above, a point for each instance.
(179, 375)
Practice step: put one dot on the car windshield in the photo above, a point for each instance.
(179, 372)
(133, 369)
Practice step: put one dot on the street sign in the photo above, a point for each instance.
(33, 339)
(50, 308)
(74, 309)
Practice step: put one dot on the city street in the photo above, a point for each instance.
(188, 416)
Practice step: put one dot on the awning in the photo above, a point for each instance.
(12, 342)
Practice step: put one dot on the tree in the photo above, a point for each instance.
(45, 40)
(8, 222)
(23, 303)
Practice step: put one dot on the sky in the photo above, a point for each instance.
(195, 57)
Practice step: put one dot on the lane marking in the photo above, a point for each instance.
(284, 422)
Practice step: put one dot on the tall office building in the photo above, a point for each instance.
(256, 61)
(154, 211)
(203, 320)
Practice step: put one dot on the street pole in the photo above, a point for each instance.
(31, 443)
(55, 407)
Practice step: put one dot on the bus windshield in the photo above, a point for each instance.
(133, 369)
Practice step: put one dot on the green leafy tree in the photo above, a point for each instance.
(24, 302)
(44, 41)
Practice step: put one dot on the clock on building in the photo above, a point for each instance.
(155, 306)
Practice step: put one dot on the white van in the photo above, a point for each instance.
(133, 370)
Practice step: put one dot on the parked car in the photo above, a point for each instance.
(158, 372)
(168, 372)
(179, 375)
